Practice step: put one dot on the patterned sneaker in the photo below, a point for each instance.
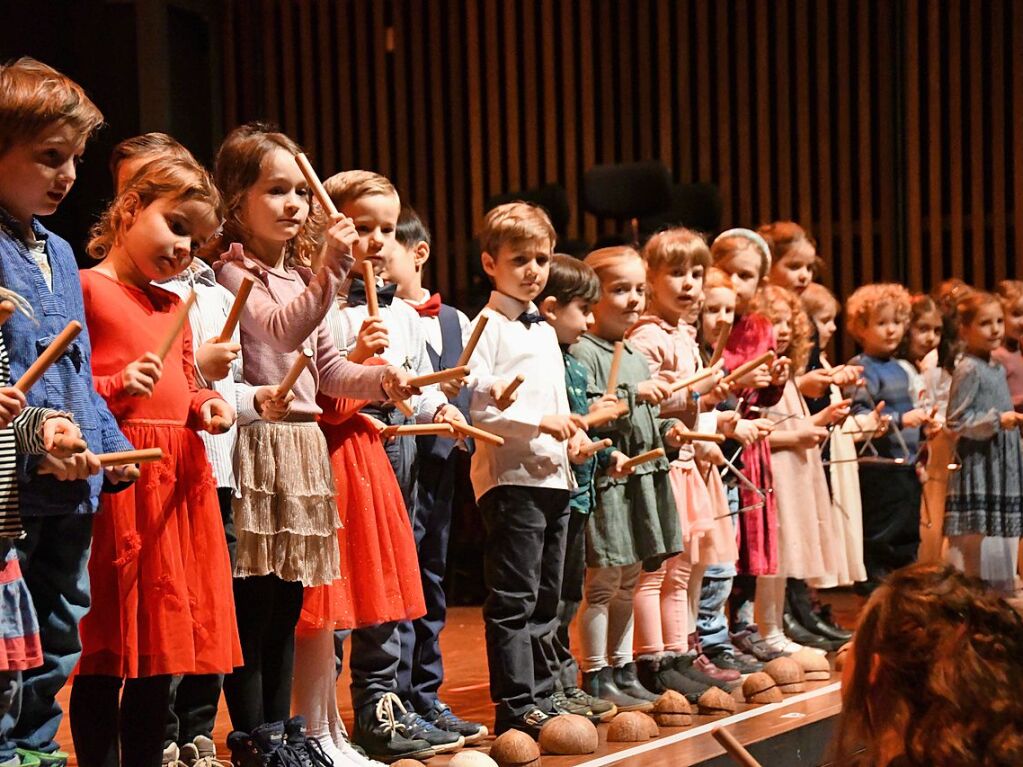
(442, 717)
(417, 728)
(601, 709)
(258, 749)
(382, 734)
(752, 643)
(530, 723)
(306, 751)
(727, 660)
(563, 705)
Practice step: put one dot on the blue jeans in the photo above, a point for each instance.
(10, 705)
(54, 561)
(711, 621)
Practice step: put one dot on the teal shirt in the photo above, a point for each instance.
(584, 496)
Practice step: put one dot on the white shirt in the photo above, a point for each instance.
(431, 325)
(508, 348)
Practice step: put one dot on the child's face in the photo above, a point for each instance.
(718, 310)
(826, 327)
(986, 332)
(160, 239)
(675, 290)
(1014, 320)
(276, 207)
(376, 218)
(569, 320)
(622, 296)
(36, 175)
(883, 332)
(401, 266)
(744, 267)
(924, 335)
(795, 270)
(519, 269)
(782, 314)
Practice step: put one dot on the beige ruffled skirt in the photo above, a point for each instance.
(286, 519)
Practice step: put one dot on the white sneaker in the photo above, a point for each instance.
(353, 757)
(172, 756)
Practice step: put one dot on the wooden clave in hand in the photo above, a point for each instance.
(639, 460)
(370, 278)
(722, 342)
(50, 355)
(314, 183)
(699, 436)
(734, 748)
(419, 429)
(764, 359)
(695, 378)
(587, 450)
(616, 362)
(605, 415)
(480, 434)
(505, 399)
(219, 425)
(300, 363)
(146, 455)
(404, 407)
(470, 346)
(438, 377)
(179, 322)
(70, 444)
(236, 311)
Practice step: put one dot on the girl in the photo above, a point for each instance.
(635, 525)
(985, 497)
(1009, 354)
(793, 255)
(159, 569)
(286, 518)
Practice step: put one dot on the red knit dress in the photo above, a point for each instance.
(162, 600)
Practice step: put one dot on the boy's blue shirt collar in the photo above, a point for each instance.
(13, 228)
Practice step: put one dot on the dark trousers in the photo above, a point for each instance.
(119, 733)
(421, 670)
(890, 497)
(401, 452)
(194, 698)
(572, 581)
(260, 691)
(524, 556)
(54, 557)
(375, 653)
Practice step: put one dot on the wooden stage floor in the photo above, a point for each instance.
(466, 690)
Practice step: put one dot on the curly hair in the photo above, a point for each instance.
(1009, 292)
(867, 298)
(782, 236)
(937, 665)
(676, 247)
(802, 337)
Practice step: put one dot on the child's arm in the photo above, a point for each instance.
(341, 378)
(965, 415)
(29, 429)
(205, 404)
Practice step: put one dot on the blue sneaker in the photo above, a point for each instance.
(441, 717)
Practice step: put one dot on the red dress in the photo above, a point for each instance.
(162, 600)
(752, 335)
(380, 579)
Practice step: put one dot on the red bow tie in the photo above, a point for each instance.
(430, 307)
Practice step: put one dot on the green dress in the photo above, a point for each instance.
(635, 518)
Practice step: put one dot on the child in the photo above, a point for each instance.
(636, 524)
(985, 496)
(131, 154)
(566, 303)
(446, 330)
(1010, 292)
(282, 544)
(793, 255)
(46, 122)
(876, 317)
(522, 487)
(159, 569)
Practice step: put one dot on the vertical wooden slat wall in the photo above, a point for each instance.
(892, 129)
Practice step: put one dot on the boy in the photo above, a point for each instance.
(572, 288)
(45, 121)
(876, 316)
(522, 487)
(446, 330)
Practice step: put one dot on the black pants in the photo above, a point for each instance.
(260, 691)
(194, 698)
(522, 567)
(890, 497)
(573, 578)
(102, 726)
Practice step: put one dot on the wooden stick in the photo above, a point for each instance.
(179, 322)
(699, 436)
(649, 455)
(480, 434)
(7, 308)
(470, 347)
(370, 278)
(50, 355)
(70, 444)
(235, 314)
(404, 407)
(314, 183)
(441, 375)
(696, 378)
(605, 415)
(764, 359)
(612, 376)
(146, 455)
(594, 447)
(505, 399)
(722, 342)
(301, 361)
(419, 429)
(734, 748)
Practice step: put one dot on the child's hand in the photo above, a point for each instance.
(214, 359)
(846, 375)
(673, 437)
(719, 393)
(617, 468)
(814, 383)
(709, 384)
(653, 391)
(217, 416)
(1011, 420)
(745, 432)
(608, 400)
(62, 437)
(12, 402)
(497, 390)
(915, 417)
(757, 378)
(710, 453)
(271, 407)
(140, 377)
(811, 436)
(448, 414)
(780, 369)
(118, 475)
(453, 387)
(341, 236)
(561, 427)
(74, 467)
(372, 340)
(833, 414)
(395, 384)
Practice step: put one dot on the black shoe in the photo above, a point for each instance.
(799, 634)
(307, 751)
(441, 716)
(750, 642)
(418, 728)
(827, 627)
(381, 733)
(684, 664)
(601, 684)
(530, 723)
(627, 680)
(726, 659)
(660, 675)
(257, 749)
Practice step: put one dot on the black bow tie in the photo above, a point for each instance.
(357, 293)
(529, 318)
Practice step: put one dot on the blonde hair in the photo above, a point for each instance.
(153, 144)
(676, 248)
(802, 341)
(868, 298)
(602, 259)
(34, 96)
(515, 222)
(351, 185)
(1009, 292)
(817, 298)
(170, 177)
